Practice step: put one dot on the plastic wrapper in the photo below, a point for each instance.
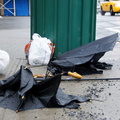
(4, 60)
(39, 51)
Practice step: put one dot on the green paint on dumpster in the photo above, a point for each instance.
(67, 23)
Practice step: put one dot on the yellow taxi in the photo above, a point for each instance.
(112, 6)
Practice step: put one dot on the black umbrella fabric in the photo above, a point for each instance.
(22, 92)
(84, 59)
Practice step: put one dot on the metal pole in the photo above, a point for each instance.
(14, 7)
(87, 79)
(76, 79)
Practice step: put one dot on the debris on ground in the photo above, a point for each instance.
(21, 92)
(84, 59)
(4, 60)
(39, 50)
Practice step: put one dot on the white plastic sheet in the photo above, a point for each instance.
(4, 60)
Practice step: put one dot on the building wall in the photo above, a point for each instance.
(10, 6)
(22, 7)
(17, 7)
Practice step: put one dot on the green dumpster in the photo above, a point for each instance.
(67, 23)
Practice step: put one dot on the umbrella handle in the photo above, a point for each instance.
(74, 74)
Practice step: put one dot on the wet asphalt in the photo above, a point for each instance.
(15, 33)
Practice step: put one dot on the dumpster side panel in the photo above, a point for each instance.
(42, 18)
(75, 23)
(89, 21)
(67, 23)
(61, 40)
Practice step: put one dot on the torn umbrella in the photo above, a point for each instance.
(84, 59)
(22, 92)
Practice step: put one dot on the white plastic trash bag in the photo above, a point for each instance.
(4, 60)
(39, 51)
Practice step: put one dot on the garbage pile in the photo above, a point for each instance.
(22, 92)
(84, 59)
(39, 50)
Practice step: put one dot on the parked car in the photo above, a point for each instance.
(112, 6)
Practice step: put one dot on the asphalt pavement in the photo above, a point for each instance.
(107, 25)
(15, 33)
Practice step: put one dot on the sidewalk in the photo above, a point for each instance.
(106, 92)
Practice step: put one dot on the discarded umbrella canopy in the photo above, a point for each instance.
(84, 59)
(21, 92)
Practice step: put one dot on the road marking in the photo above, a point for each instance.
(115, 29)
(0, 16)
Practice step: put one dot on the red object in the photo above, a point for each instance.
(27, 46)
